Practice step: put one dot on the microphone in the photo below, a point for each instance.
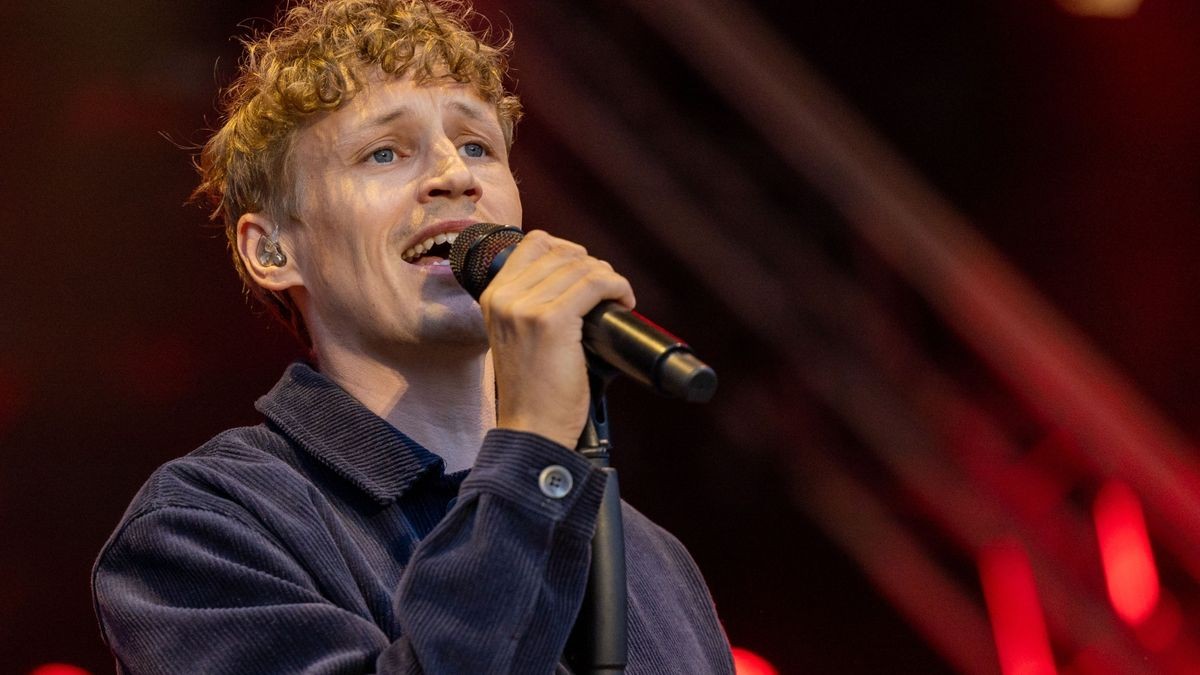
(620, 337)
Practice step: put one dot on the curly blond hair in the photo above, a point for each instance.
(316, 59)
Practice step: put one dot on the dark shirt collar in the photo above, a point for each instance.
(323, 420)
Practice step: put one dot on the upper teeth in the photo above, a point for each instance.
(420, 249)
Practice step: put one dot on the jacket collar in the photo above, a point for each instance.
(324, 421)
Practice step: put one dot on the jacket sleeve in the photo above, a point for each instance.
(494, 587)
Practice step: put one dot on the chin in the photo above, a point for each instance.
(450, 327)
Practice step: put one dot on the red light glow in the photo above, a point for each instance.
(1161, 630)
(1109, 9)
(1125, 552)
(1016, 613)
(59, 669)
(746, 662)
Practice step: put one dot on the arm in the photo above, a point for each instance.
(506, 602)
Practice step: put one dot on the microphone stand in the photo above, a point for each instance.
(598, 641)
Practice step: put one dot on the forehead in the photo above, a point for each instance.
(386, 100)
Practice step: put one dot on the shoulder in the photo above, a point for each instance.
(639, 527)
(237, 487)
(649, 543)
(655, 557)
(226, 475)
(669, 599)
(205, 527)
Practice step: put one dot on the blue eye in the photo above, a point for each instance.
(384, 155)
(473, 150)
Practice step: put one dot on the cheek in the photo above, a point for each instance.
(333, 218)
(518, 215)
(506, 200)
(325, 248)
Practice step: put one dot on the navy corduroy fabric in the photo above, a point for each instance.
(326, 541)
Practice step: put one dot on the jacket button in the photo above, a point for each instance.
(555, 481)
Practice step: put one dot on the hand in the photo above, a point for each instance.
(534, 311)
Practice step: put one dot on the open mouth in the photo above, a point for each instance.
(432, 251)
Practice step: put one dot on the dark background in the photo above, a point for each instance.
(1069, 143)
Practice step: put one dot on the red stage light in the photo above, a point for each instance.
(59, 669)
(1012, 601)
(1161, 630)
(746, 662)
(1125, 552)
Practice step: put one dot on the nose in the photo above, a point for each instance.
(449, 175)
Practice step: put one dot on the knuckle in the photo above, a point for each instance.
(538, 238)
(600, 277)
(608, 277)
(562, 246)
(496, 302)
(534, 244)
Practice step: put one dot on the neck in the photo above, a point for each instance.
(443, 398)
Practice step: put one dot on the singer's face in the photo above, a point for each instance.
(378, 178)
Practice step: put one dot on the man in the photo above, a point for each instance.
(410, 504)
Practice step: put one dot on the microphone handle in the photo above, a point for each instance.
(633, 344)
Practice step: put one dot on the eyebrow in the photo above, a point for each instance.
(387, 118)
(463, 108)
(468, 110)
(351, 136)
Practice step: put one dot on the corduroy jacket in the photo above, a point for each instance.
(326, 541)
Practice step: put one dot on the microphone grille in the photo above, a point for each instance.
(475, 249)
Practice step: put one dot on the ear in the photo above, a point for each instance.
(253, 229)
